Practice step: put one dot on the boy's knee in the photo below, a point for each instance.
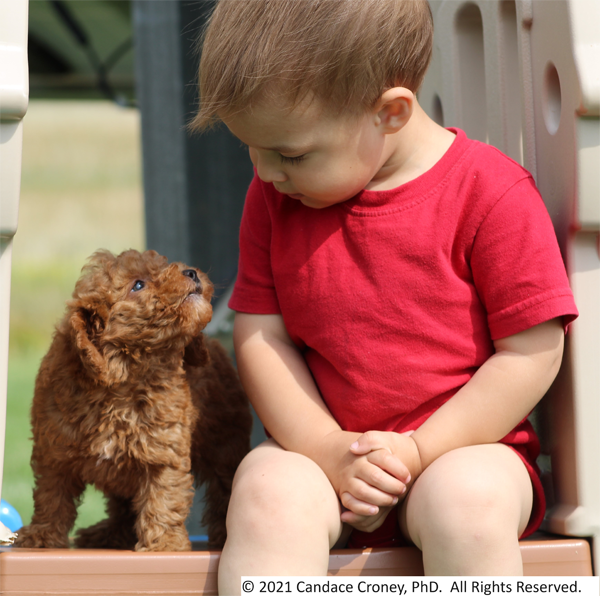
(457, 502)
(278, 482)
(469, 504)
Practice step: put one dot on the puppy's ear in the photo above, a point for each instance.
(196, 353)
(83, 325)
(107, 368)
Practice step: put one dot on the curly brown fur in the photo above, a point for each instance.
(132, 398)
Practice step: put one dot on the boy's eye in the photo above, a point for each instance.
(292, 160)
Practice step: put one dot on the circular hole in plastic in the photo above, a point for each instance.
(551, 99)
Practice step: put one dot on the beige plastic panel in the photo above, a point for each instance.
(25, 572)
(524, 76)
(14, 94)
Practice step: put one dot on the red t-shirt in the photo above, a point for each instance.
(394, 296)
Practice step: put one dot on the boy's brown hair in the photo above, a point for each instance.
(345, 53)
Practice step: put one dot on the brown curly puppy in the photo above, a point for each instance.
(132, 398)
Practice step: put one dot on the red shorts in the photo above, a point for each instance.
(389, 534)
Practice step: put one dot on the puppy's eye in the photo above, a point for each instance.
(191, 274)
(138, 285)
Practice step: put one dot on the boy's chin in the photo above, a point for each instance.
(315, 203)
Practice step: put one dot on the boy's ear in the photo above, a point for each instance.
(394, 109)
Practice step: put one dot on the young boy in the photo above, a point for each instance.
(401, 300)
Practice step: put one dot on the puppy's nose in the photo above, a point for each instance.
(191, 273)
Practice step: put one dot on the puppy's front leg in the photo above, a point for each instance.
(162, 507)
(55, 497)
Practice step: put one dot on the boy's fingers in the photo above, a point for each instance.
(365, 523)
(368, 441)
(382, 471)
(361, 492)
(360, 447)
(357, 507)
(389, 463)
(349, 517)
(377, 483)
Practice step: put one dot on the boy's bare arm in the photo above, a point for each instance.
(287, 400)
(501, 393)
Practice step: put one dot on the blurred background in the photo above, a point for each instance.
(107, 163)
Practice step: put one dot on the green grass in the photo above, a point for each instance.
(80, 191)
(18, 478)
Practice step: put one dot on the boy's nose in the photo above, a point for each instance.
(267, 167)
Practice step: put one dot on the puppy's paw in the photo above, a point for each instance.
(39, 536)
(106, 534)
(168, 542)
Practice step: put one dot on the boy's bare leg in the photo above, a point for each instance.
(283, 518)
(467, 510)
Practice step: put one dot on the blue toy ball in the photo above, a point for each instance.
(9, 516)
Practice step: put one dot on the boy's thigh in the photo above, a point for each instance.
(281, 481)
(481, 485)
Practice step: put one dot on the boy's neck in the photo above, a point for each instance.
(411, 151)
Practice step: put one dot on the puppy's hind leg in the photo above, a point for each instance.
(116, 531)
(216, 470)
(221, 438)
(162, 507)
(219, 447)
(56, 497)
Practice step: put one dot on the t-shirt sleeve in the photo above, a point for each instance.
(517, 266)
(254, 290)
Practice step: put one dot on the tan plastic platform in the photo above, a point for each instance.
(35, 572)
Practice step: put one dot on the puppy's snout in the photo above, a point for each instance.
(191, 273)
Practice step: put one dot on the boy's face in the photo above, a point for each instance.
(313, 157)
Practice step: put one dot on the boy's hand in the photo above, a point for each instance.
(379, 446)
(364, 482)
(401, 446)
(366, 523)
